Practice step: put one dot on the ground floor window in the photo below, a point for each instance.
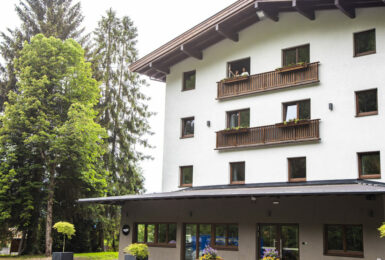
(344, 240)
(157, 234)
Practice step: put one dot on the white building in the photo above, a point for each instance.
(287, 157)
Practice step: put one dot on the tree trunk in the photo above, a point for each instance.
(48, 226)
(21, 244)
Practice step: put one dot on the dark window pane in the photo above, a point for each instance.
(335, 238)
(172, 233)
(304, 109)
(290, 57)
(245, 118)
(367, 101)
(162, 231)
(370, 164)
(354, 238)
(220, 235)
(187, 175)
(233, 235)
(365, 42)
(151, 233)
(297, 168)
(189, 80)
(304, 54)
(188, 126)
(141, 230)
(238, 65)
(204, 237)
(233, 119)
(238, 172)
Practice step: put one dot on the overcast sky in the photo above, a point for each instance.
(158, 22)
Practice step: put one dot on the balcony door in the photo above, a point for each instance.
(283, 238)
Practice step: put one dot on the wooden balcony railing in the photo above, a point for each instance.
(268, 81)
(303, 131)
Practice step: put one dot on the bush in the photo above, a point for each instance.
(382, 230)
(138, 250)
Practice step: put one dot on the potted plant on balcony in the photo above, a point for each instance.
(235, 130)
(68, 230)
(293, 122)
(136, 251)
(234, 79)
(293, 67)
(210, 253)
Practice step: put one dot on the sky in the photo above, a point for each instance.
(158, 21)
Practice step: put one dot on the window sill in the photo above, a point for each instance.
(186, 136)
(374, 113)
(183, 90)
(162, 245)
(226, 248)
(363, 54)
(185, 186)
(237, 182)
(298, 180)
(343, 254)
(370, 176)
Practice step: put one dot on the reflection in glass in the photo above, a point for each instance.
(190, 247)
(290, 243)
(291, 112)
(233, 235)
(370, 164)
(204, 237)
(268, 238)
(151, 233)
(335, 237)
(354, 238)
(220, 235)
(162, 233)
(172, 233)
(141, 231)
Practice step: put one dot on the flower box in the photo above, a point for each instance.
(293, 123)
(293, 67)
(235, 131)
(234, 79)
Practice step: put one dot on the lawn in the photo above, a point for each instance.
(81, 256)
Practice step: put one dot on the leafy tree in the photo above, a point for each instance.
(65, 228)
(53, 120)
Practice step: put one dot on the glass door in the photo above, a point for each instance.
(197, 237)
(281, 238)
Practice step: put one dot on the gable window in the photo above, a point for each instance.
(186, 176)
(296, 110)
(366, 102)
(155, 234)
(237, 173)
(238, 68)
(343, 240)
(239, 118)
(296, 55)
(369, 165)
(189, 80)
(364, 43)
(297, 169)
(187, 127)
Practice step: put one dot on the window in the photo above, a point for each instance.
(186, 176)
(366, 102)
(297, 169)
(237, 173)
(189, 80)
(343, 240)
(240, 118)
(187, 127)
(364, 43)
(237, 67)
(369, 165)
(296, 55)
(160, 234)
(226, 235)
(297, 110)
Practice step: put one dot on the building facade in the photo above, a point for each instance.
(273, 135)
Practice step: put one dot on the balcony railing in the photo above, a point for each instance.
(303, 131)
(268, 81)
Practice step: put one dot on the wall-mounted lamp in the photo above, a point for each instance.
(208, 123)
(276, 202)
(331, 106)
(260, 14)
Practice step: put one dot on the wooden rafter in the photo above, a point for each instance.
(346, 8)
(304, 8)
(269, 11)
(159, 68)
(227, 33)
(191, 52)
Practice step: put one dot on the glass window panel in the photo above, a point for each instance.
(220, 235)
(238, 65)
(187, 175)
(141, 231)
(233, 119)
(238, 172)
(304, 54)
(190, 238)
(233, 235)
(290, 57)
(189, 80)
(297, 168)
(204, 237)
(367, 101)
(245, 118)
(370, 164)
(188, 127)
(304, 109)
(291, 112)
(151, 233)
(290, 243)
(268, 238)
(162, 232)
(335, 237)
(365, 42)
(354, 238)
(172, 233)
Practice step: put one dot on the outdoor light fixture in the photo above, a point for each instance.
(331, 106)
(253, 198)
(208, 123)
(260, 14)
(126, 229)
(276, 202)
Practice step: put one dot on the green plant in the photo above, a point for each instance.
(65, 228)
(382, 230)
(138, 250)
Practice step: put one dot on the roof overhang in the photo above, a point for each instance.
(312, 188)
(228, 23)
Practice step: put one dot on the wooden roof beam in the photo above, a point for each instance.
(191, 52)
(346, 8)
(304, 9)
(227, 33)
(269, 11)
(159, 68)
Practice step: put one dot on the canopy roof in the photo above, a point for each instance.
(227, 23)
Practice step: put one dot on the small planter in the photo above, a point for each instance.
(235, 131)
(131, 257)
(62, 256)
(293, 123)
(234, 79)
(292, 68)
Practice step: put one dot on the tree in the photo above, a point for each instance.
(65, 228)
(53, 120)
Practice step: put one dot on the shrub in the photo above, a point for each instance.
(65, 228)
(382, 230)
(138, 250)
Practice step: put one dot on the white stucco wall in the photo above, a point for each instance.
(343, 135)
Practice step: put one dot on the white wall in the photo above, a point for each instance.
(343, 135)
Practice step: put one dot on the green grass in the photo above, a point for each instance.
(80, 256)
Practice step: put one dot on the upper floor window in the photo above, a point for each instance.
(366, 102)
(187, 127)
(297, 169)
(156, 234)
(186, 176)
(369, 165)
(239, 118)
(238, 68)
(296, 55)
(296, 110)
(189, 80)
(343, 240)
(237, 173)
(365, 42)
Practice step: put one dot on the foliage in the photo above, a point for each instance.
(99, 256)
(65, 228)
(210, 253)
(270, 254)
(138, 250)
(382, 230)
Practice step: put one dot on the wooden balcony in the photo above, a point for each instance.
(303, 131)
(268, 81)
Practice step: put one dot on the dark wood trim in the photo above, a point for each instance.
(159, 67)
(286, 104)
(231, 172)
(290, 179)
(197, 54)
(183, 122)
(239, 116)
(185, 74)
(296, 50)
(355, 54)
(225, 32)
(270, 12)
(304, 8)
(358, 113)
(156, 230)
(346, 8)
(181, 176)
(369, 176)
